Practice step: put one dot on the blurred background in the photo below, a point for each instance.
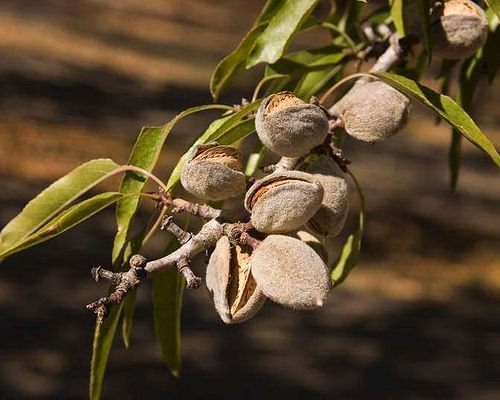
(417, 319)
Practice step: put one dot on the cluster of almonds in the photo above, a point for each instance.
(287, 263)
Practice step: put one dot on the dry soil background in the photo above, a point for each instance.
(418, 318)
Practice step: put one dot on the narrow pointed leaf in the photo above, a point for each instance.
(349, 254)
(168, 288)
(238, 132)
(55, 198)
(309, 60)
(233, 63)
(495, 6)
(103, 339)
(446, 107)
(66, 220)
(314, 82)
(423, 11)
(470, 73)
(128, 314)
(133, 247)
(282, 27)
(397, 14)
(145, 154)
(269, 10)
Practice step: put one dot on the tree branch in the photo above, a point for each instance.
(191, 245)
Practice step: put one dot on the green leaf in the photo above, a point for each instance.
(268, 11)
(133, 247)
(237, 132)
(66, 220)
(446, 107)
(255, 158)
(397, 14)
(314, 82)
(444, 78)
(128, 315)
(349, 255)
(285, 23)
(168, 288)
(54, 198)
(424, 19)
(469, 78)
(233, 63)
(495, 6)
(490, 53)
(217, 130)
(309, 60)
(145, 154)
(103, 339)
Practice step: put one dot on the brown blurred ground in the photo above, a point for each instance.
(417, 319)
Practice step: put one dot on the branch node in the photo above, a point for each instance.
(181, 235)
(192, 281)
(95, 273)
(138, 264)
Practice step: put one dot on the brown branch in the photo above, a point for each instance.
(180, 234)
(141, 269)
(199, 210)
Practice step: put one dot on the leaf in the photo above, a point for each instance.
(237, 132)
(268, 11)
(446, 107)
(145, 154)
(495, 6)
(309, 60)
(168, 288)
(233, 63)
(490, 53)
(103, 339)
(444, 78)
(66, 220)
(282, 27)
(350, 251)
(128, 315)
(424, 19)
(54, 198)
(313, 82)
(133, 247)
(469, 77)
(255, 158)
(215, 131)
(397, 14)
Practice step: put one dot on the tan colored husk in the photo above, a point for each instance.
(281, 101)
(289, 126)
(373, 111)
(226, 155)
(290, 272)
(214, 172)
(268, 186)
(331, 217)
(460, 31)
(284, 201)
(229, 279)
(313, 242)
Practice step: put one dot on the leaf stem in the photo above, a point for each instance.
(338, 84)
